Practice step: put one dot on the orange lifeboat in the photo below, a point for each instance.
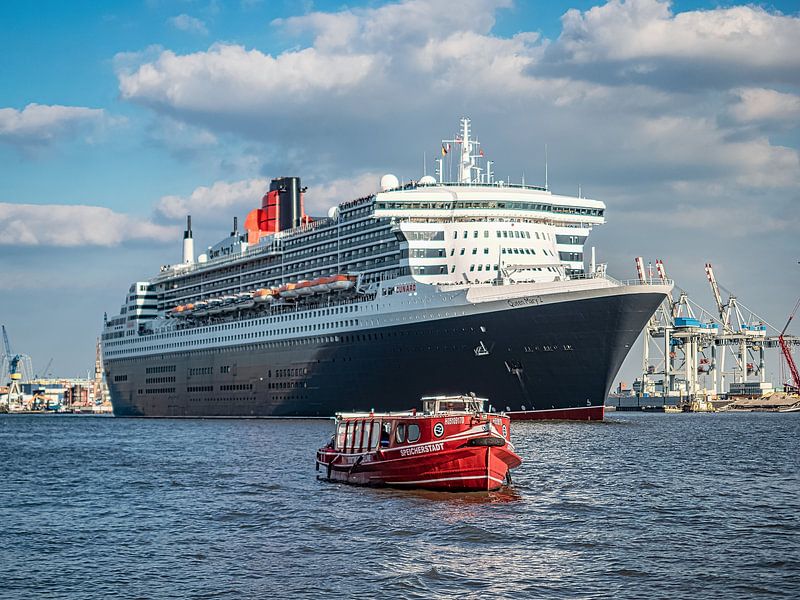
(288, 290)
(264, 295)
(303, 288)
(342, 282)
(321, 285)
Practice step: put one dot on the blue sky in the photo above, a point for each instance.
(681, 116)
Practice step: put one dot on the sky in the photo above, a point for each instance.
(119, 118)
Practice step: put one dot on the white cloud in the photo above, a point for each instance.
(219, 199)
(75, 225)
(644, 37)
(320, 197)
(223, 199)
(188, 23)
(39, 124)
(375, 87)
(764, 105)
(229, 79)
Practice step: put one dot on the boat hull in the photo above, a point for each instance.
(554, 361)
(457, 468)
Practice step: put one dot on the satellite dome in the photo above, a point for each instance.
(333, 212)
(389, 182)
(427, 180)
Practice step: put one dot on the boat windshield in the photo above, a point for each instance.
(468, 404)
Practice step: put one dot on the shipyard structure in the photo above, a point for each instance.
(696, 359)
(431, 287)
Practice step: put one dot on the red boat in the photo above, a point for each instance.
(452, 445)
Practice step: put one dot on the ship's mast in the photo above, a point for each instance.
(467, 160)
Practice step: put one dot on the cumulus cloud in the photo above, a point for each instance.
(233, 81)
(41, 125)
(188, 23)
(632, 98)
(223, 199)
(764, 105)
(75, 225)
(644, 41)
(320, 197)
(219, 199)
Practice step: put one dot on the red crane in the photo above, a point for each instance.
(787, 353)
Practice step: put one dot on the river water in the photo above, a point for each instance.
(640, 506)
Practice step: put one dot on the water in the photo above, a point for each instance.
(642, 506)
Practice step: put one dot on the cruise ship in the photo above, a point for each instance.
(430, 287)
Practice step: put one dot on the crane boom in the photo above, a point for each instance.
(715, 289)
(787, 354)
(5, 342)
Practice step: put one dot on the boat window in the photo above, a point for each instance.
(376, 435)
(400, 433)
(348, 443)
(340, 435)
(413, 432)
(386, 432)
(357, 437)
(362, 436)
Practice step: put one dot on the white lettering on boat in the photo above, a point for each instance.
(454, 420)
(422, 449)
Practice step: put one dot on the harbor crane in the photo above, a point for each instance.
(787, 355)
(46, 368)
(741, 336)
(16, 367)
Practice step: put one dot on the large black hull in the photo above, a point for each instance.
(538, 358)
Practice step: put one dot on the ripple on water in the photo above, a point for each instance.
(639, 506)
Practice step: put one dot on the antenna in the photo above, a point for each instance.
(546, 186)
(424, 163)
(579, 191)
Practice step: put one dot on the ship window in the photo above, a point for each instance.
(462, 252)
(474, 250)
(486, 251)
(413, 432)
(400, 433)
(475, 234)
(472, 267)
(486, 233)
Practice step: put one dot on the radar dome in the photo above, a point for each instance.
(389, 182)
(333, 212)
(427, 180)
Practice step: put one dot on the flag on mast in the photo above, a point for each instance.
(445, 149)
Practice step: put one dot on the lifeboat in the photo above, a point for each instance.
(215, 306)
(303, 288)
(177, 311)
(342, 282)
(321, 285)
(188, 309)
(264, 295)
(287, 290)
(229, 304)
(245, 300)
(453, 445)
(201, 308)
